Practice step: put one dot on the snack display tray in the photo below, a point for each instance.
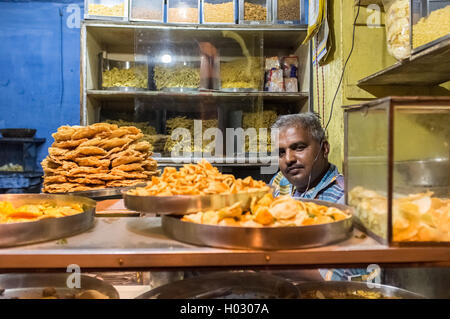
(30, 286)
(102, 194)
(265, 238)
(188, 204)
(15, 234)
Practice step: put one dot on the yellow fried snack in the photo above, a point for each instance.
(197, 179)
(28, 213)
(270, 212)
(416, 217)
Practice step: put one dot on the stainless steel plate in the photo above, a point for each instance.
(266, 238)
(124, 89)
(328, 288)
(187, 204)
(102, 194)
(30, 286)
(15, 234)
(225, 285)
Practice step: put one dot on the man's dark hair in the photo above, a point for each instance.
(308, 121)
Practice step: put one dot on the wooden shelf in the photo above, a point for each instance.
(129, 242)
(428, 67)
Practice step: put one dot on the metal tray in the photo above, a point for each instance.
(187, 204)
(30, 286)
(180, 90)
(226, 285)
(266, 238)
(15, 234)
(349, 286)
(238, 90)
(103, 194)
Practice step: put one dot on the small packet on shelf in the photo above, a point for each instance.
(272, 63)
(291, 84)
(276, 82)
(290, 66)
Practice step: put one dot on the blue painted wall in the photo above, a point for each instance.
(40, 66)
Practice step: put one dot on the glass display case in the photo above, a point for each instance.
(147, 10)
(183, 11)
(106, 9)
(396, 168)
(255, 11)
(288, 11)
(219, 11)
(430, 22)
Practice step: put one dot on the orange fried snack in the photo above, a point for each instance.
(270, 212)
(197, 179)
(29, 213)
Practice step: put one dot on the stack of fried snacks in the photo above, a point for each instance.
(97, 156)
(30, 213)
(416, 217)
(259, 120)
(270, 212)
(197, 179)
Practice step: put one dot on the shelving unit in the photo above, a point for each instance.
(138, 41)
(425, 68)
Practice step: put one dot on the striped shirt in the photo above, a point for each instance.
(330, 188)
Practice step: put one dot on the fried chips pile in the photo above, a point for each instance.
(197, 179)
(416, 217)
(97, 156)
(270, 212)
(29, 213)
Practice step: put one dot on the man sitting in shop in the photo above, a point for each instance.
(303, 159)
(306, 173)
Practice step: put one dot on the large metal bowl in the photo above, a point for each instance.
(226, 285)
(328, 287)
(30, 286)
(264, 238)
(187, 204)
(15, 234)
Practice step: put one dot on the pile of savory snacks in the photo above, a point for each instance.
(183, 122)
(288, 10)
(398, 28)
(220, 12)
(242, 73)
(117, 10)
(183, 15)
(197, 179)
(146, 14)
(416, 217)
(176, 77)
(148, 131)
(430, 28)
(258, 120)
(281, 77)
(136, 77)
(98, 156)
(270, 212)
(254, 12)
(30, 213)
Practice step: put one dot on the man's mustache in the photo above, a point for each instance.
(294, 167)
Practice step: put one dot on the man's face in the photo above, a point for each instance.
(297, 152)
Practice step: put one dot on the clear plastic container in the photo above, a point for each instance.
(106, 9)
(147, 10)
(397, 169)
(287, 11)
(183, 11)
(397, 23)
(430, 21)
(255, 11)
(219, 11)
